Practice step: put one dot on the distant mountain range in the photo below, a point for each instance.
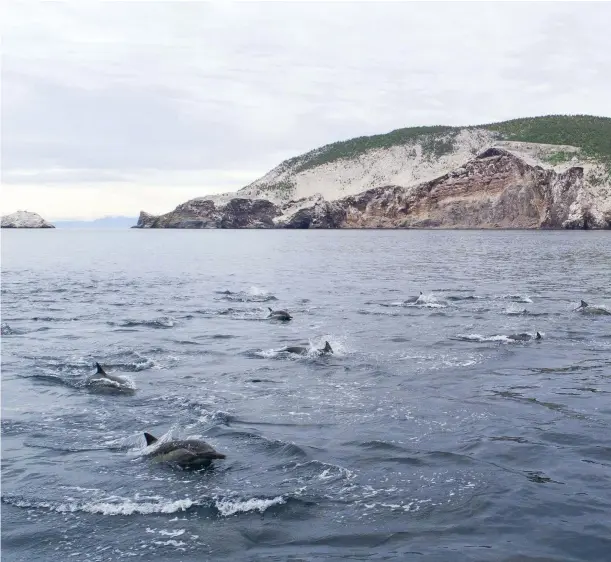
(105, 222)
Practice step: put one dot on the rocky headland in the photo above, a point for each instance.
(438, 177)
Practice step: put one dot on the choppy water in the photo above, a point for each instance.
(428, 435)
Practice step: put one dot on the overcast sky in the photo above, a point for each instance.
(113, 107)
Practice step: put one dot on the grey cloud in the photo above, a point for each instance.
(190, 86)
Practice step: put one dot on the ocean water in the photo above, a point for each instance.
(429, 434)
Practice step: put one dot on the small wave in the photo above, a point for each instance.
(58, 318)
(515, 298)
(6, 330)
(231, 506)
(321, 470)
(513, 309)
(161, 322)
(378, 312)
(463, 298)
(111, 506)
(480, 338)
(254, 294)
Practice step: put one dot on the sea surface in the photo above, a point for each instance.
(430, 434)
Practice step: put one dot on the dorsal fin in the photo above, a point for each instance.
(99, 370)
(584, 304)
(269, 308)
(327, 348)
(538, 336)
(149, 438)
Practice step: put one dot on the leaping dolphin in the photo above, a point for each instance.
(186, 453)
(279, 315)
(298, 350)
(103, 381)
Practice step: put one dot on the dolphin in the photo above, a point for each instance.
(101, 380)
(524, 337)
(186, 453)
(298, 350)
(593, 309)
(279, 315)
(414, 299)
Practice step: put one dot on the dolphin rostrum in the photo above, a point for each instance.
(186, 453)
(279, 314)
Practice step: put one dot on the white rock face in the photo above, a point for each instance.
(24, 219)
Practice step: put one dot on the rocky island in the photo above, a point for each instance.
(24, 219)
(545, 172)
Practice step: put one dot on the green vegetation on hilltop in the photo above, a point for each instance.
(591, 134)
(353, 148)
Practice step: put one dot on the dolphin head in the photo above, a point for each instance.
(327, 348)
(149, 439)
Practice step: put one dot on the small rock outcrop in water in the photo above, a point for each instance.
(496, 189)
(201, 213)
(24, 219)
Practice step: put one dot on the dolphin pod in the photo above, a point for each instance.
(185, 453)
(196, 453)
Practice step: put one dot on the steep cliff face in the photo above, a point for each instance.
(24, 219)
(497, 189)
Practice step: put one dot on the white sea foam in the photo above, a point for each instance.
(514, 309)
(480, 338)
(231, 506)
(124, 507)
